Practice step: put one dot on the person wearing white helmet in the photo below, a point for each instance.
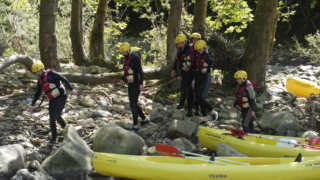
(133, 75)
(49, 81)
(245, 99)
(202, 80)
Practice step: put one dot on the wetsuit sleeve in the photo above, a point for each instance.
(137, 65)
(209, 59)
(37, 94)
(59, 77)
(175, 64)
(251, 100)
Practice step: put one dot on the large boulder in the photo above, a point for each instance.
(114, 139)
(72, 159)
(12, 158)
(24, 174)
(224, 149)
(183, 144)
(182, 128)
(282, 118)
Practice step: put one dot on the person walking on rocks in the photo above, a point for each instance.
(245, 99)
(186, 64)
(133, 75)
(194, 55)
(49, 81)
(202, 80)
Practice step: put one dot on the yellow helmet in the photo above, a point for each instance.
(196, 35)
(181, 38)
(124, 47)
(240, 74)
(200, 45)
(37, 66)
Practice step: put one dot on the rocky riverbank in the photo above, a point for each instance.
(99, 116)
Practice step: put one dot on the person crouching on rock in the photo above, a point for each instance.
(245, 99)
(133, 75)
(49, 81)
(202, 80)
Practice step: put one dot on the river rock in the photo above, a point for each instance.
(114, 139)
(224, 149)
(182, 128)
(12, 158)
(72, 159)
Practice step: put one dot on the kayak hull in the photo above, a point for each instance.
(163, 167)
(252, 146)
(301, 88)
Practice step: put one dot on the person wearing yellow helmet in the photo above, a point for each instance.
(133, 75)
(193, 55)
(186, 64)
(49, 81)
(202, 80)
(245, 99)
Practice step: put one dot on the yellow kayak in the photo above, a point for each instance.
(164, 167)
(264, 146)
(301, 87)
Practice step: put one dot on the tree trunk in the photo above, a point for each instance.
(96, 40)
(47, 34)
(76, 31)
(200, 14)
(260, 41)
(174, 21)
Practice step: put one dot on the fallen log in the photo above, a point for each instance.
(89, 79)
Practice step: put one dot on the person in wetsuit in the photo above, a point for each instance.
(186, 64)
(202, 80)
(194, 55)
(245, 99)
(49, 81)
(133, 75)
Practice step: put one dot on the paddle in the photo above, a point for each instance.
(182, 156)
(236, 132)
(171, 151)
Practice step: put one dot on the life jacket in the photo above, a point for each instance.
(50, 89)
(201, 64)
(242, 97)
(193, 53)
(128, 73)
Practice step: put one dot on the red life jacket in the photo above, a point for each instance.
(51, 90)
(126, 67)
(201, 64)
(241, 98)
(193, 54)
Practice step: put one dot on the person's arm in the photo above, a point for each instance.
(251, 99)
(209, 59)
(57, 76)
(37, 94)
(138, 68)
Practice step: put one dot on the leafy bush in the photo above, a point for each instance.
(311, 49)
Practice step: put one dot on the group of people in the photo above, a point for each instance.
(194, 61)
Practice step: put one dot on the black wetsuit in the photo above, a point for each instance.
(202, 83)
(134, 88)
(186, 89)
(56, 104)
(247, 118)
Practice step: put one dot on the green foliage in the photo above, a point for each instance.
(286, 9)
(234, 15)
(19, 30)
(155, 39)
(312, 49)
(313, 3)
